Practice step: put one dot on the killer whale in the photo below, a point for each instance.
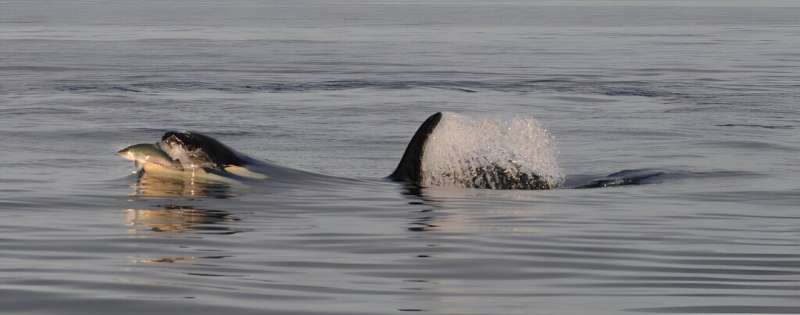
(203, 157)
(197, 152)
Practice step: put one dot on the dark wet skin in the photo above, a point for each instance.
(201, 149)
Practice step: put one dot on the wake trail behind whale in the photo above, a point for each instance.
(646, 176)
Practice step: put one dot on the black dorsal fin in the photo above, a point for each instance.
(410, 165)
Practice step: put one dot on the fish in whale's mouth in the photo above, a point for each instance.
(192, 151)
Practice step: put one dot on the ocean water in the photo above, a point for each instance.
(704, 94)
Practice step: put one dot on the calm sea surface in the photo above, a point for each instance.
(705, 92)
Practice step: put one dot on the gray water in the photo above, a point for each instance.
(705, 92)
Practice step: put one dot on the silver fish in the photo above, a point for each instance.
(144, 153)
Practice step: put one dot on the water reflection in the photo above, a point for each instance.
(452, 210)
(177, 219)
(422, 220)
(161, 186)
(179, 214)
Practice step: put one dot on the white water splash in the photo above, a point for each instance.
(189, 159)
(489, 153)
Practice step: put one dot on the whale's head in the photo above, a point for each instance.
(196, 150)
